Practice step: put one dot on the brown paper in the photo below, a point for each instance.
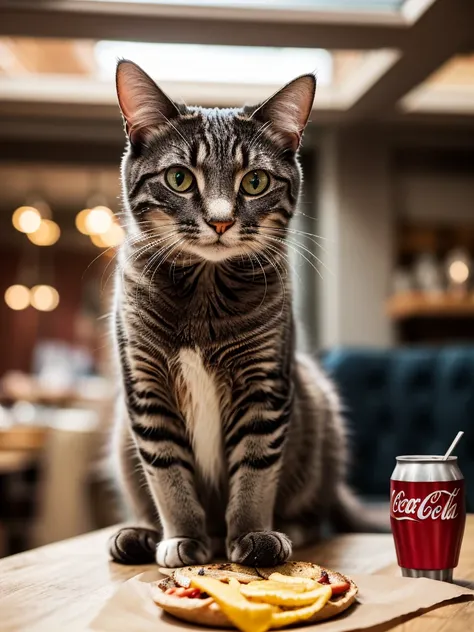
(381, 599)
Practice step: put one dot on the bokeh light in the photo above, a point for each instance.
(17, 297)
(81, 221)
(458, 272)
(98, 221)
(98, 241)
(112, 238)
(26, 219)
(44, 298)
(47, 234)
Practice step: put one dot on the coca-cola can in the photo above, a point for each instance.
(427, 514)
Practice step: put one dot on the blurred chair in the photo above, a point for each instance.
(63, 501)
(404, 401)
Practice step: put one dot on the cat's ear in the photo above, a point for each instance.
(288, 110)
(145, 107)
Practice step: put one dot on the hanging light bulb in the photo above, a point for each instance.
(98, 241)
(458, 272)
(43, 208)
(98, 220)
(114, 236)
(47, 234)
(44, 298)
(17, 297)
(26, 219)
(81, 221)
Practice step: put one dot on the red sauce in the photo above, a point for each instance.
(190, 593)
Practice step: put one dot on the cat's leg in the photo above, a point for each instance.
(167, 459)
(171, 480)
(254, 446)
(135, 543)
(164, 451)
(162, 455)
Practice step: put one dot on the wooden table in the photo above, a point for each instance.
(62, 586)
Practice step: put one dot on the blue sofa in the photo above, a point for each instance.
(404, 401)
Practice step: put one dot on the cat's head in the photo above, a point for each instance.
(217, 183)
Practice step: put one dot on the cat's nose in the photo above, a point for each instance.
(221, 227)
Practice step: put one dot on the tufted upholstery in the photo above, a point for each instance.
(404, 401)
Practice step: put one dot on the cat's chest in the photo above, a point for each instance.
(201, 393)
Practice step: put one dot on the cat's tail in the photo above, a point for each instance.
(350, 514)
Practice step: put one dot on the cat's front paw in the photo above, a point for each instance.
(176, 552)
(133, 545)
(260, 548)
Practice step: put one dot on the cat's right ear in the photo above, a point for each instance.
(145, 107)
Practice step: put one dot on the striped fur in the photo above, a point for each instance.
(224, 433)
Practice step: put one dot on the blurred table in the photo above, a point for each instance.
(20, 450)
(12, 461)
(63, 586)
(22, 439)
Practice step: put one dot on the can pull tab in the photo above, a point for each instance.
(450, 450)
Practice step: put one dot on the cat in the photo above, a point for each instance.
(227, 440)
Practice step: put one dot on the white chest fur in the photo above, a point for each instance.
(198, 395)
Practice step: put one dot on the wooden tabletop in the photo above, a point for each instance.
(63, 586)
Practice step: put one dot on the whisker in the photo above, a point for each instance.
(148, 265)
(166, 254)
(134, 255)
(265, 279)
(311, 237)
(311, 253)
(297, 251)
(282, 284)
(288, 262)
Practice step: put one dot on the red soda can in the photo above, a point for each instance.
(427, 515)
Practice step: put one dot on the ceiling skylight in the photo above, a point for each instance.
(216, 64)
(322, 5)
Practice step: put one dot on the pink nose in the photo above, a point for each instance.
(221, 227)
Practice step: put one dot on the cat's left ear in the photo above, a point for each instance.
(288, 110)
(145, 107)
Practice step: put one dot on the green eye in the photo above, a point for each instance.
(179, 179)
(255, 182)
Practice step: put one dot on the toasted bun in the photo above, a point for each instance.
(207, 613)
(244, 574)
(335, 605)
(199, 611)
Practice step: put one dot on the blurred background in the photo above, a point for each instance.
(382, 248)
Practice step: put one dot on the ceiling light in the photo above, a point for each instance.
(44, 298)
(98, 221)
(17, 297)
(26, 219)
(47, 234)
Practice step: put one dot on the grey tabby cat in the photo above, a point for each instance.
(225, 435)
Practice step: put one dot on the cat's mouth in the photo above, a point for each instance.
(217, 247)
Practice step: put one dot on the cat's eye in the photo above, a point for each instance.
(179, 179)
(255, 182)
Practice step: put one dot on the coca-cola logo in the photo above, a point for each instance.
(438, 505)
